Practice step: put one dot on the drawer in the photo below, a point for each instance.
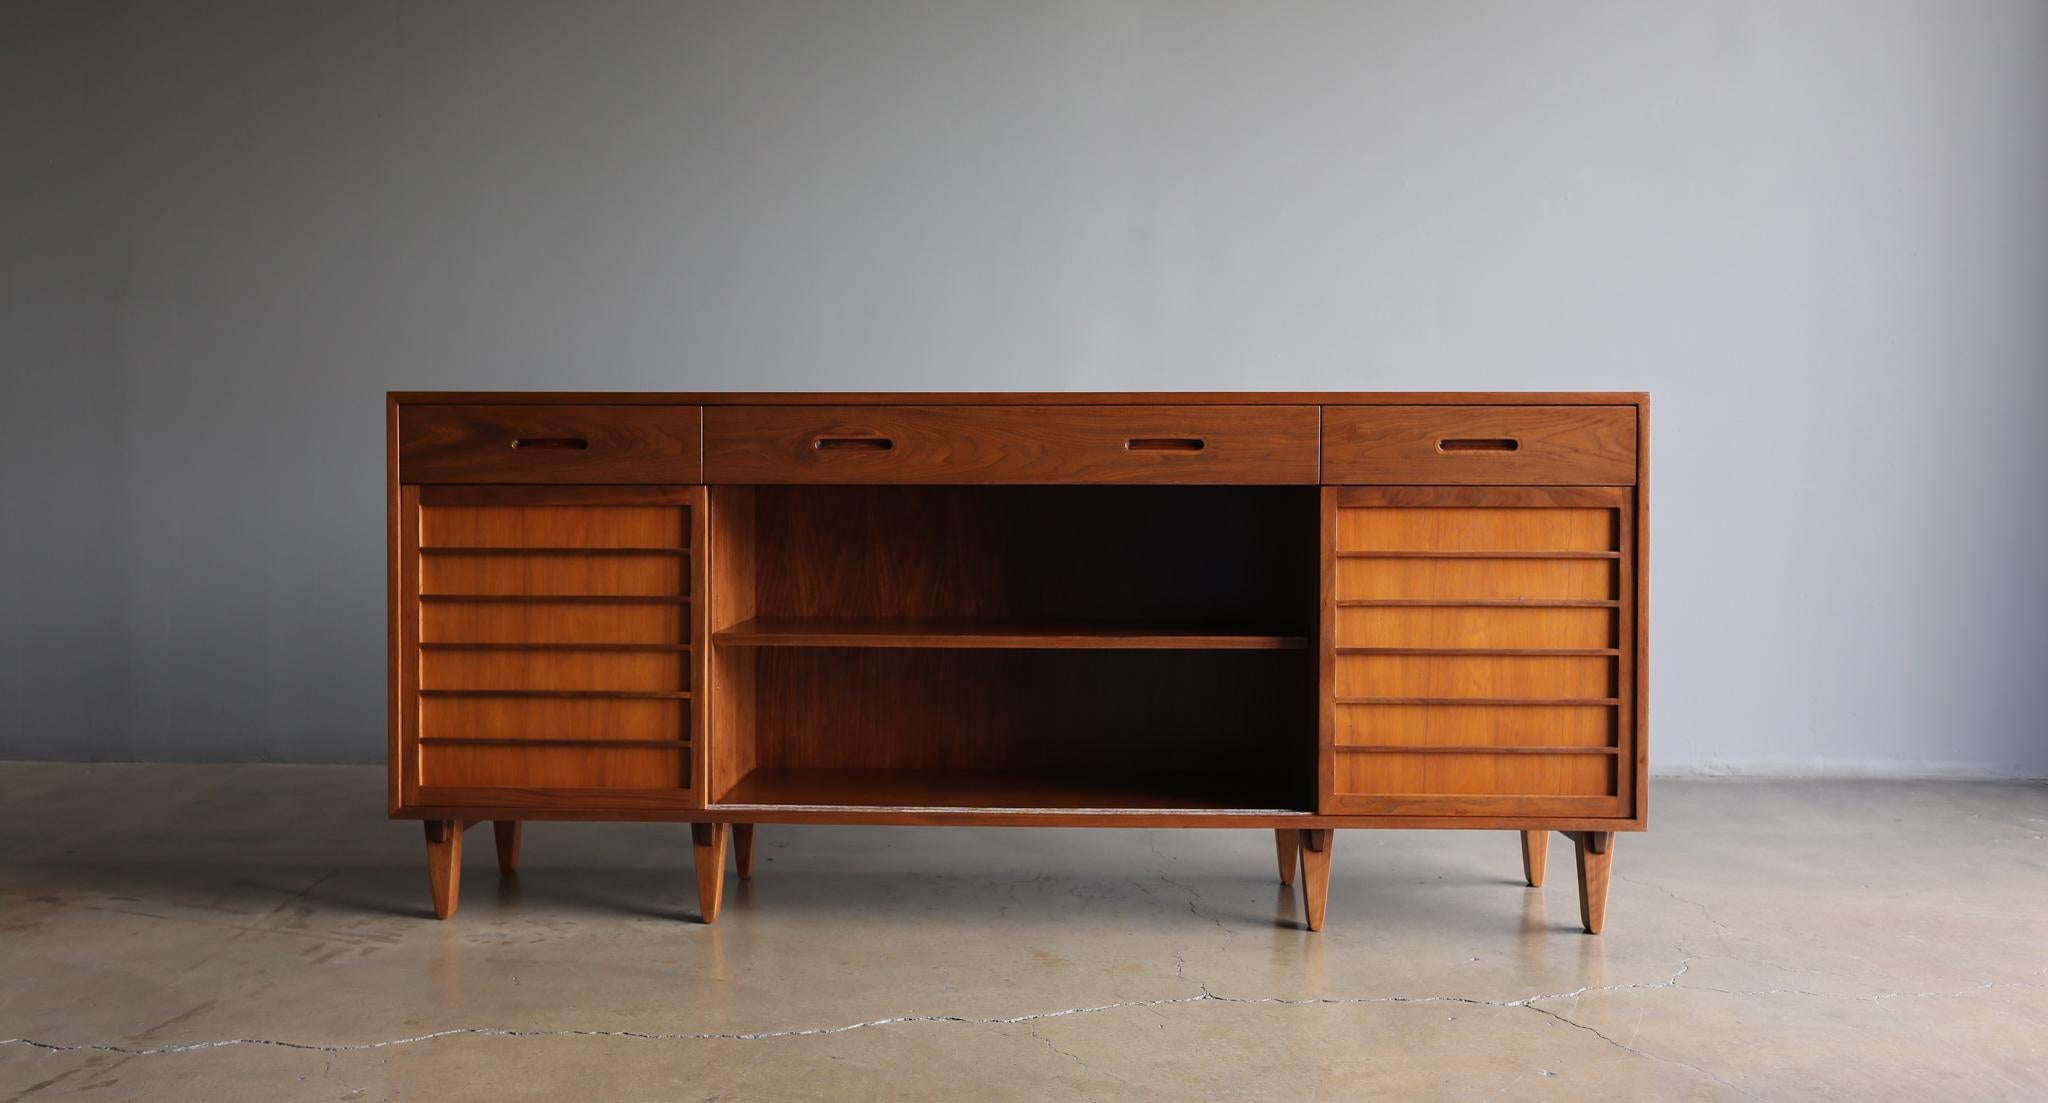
(1010, 444)
(550, 444)
(1480, 445)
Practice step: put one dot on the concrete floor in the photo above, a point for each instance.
(261, 933)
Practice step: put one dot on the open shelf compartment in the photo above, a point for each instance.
(1061, 648)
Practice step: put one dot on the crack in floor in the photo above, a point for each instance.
(1203, 995)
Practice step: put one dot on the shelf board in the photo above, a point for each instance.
(453, 549)
(1001, 790)
(889, 632)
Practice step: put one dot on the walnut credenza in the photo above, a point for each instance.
(1287, 612)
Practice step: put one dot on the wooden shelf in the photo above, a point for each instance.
(1002, 790)
(555, 599)
(884, 632)
(1479, 555)
(453, 549)
(592, 647)
(610, 694)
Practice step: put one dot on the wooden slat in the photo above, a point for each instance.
(600, 693)
(555, 599)
(1483, 603)
(1494, 554)
(1543, 701)
(566, 741)
(455, 550)
(1505, 652)
(1455, 748)
(595, 647)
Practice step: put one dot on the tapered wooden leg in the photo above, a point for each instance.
(1288, 841)
(708, 840)
(743, 849)
(508, 846)
(1315, 874)
(1595, 853)
(1535, 855)
(444, 864)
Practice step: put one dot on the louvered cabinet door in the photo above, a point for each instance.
(1479, 651)
(547, 651)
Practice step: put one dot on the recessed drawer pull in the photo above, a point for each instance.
(551, 444)
(1165, 444)
(852, 444)
(1478, 444)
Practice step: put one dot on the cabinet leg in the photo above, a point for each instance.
(1595, 853)
(1288, 841)
(508, 846)
(444, 864)
(1535, 855)
(1315, 873)
(743, 849)
(708, 842)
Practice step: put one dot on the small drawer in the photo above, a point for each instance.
(1010, 444)
(550, 444)
(1480, 445)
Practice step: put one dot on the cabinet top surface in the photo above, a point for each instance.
(1027, 398)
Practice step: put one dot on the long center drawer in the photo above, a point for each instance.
(1011, 444)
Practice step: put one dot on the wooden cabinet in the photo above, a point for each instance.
(1297, 613)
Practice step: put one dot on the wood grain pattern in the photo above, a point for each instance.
(1535, 856)
(1011, 444)
(444, 864)
(525, 444)
(1315, 875)
(707, 845)
(507, 832)
(551, 659)
(1471, 683)
(743, 850)
(1287, 843)
(1550, 445)
(1593, 852)
(730, 718)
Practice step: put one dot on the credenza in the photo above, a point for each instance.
(1288, 612)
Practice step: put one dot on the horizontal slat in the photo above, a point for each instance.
(620, 694)
(460, 646)
(487, 741)
(519, 524)
(1480, 603)
(1453, 748)
(555, 599)
(1472, 772)
(451, 550)
(527, 718)
(1504, 652)
(1523, 554)
(1548, 701)
(1476, 726)
(554, 622)
(1462, 626)
(634, 767)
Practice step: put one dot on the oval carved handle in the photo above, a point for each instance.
(1183, 445)
(1478, 444)
(852, 444)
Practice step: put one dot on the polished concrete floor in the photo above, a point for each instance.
(262, 933)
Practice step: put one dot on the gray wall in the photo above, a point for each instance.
(1817, 231)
